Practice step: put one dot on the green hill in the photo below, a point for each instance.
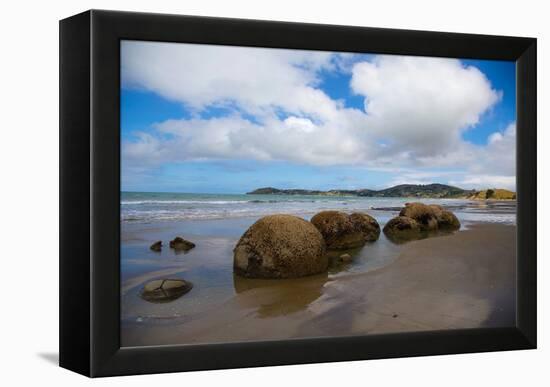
(403, 190)
(422, 191)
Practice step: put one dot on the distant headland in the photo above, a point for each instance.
(437, 191)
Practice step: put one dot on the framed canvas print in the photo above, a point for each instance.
(239, 193)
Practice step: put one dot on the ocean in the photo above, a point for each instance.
(152, 207)
(222, 303)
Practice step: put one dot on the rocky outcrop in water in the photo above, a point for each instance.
(180, 244)
(157, 246)
(418, 220)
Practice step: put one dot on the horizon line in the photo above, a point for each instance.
(314, 189)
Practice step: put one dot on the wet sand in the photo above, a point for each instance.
(463, 280)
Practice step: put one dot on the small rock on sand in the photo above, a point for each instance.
(345, 258)
(180, 244)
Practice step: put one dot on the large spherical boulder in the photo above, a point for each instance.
(401, 227)
(446, 220)
(342, 231)
(280, 246)
(337, 230)
(423, 214)
(366, 225)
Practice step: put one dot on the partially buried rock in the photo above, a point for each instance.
(423, 214)
(165, 290)
(157, 246)
(446, 220)
(280, 246)
(180, 244)
(402, 228)
(342, 231)
(418, 220)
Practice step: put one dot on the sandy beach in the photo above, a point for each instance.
(462, 280)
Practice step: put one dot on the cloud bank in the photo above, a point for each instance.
(415, 112)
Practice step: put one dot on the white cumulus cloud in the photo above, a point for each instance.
(255, 79)
(422, 104)
(415, 109)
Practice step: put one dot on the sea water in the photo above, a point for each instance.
(150, 207)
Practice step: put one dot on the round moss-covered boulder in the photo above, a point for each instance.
(180, 244)
(446, 220)
(423, 214)
(342, 231)
(366, 225)
(337, 229)
(280, 246)
(402, 228)
(165, 290)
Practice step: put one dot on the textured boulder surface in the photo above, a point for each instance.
(446, 220)
(423, 214)
(280, 246)
(366, 225)
(180, 244)
(165, 290)
(402, 228)
(418, 220)
(342, 231)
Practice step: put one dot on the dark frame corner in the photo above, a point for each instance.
(90, 186)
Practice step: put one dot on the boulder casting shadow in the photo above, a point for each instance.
(419, 221)
(280, 246)
(342, 231)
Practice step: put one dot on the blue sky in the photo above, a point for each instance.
(210, 119)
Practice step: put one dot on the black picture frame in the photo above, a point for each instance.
(90, 192)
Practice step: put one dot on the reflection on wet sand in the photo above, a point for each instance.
(278, 297)
(416, 235)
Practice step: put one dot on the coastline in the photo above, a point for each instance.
(463, 280)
